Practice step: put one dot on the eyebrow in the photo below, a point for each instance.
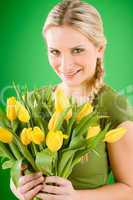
(79, 46)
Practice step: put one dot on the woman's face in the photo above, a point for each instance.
(71, 55)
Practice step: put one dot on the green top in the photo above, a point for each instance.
(94, 172)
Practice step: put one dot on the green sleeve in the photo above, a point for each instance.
(116, 106)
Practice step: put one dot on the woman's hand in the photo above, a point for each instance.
(29, 186)
(63, 189)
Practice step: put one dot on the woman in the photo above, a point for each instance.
(76, 43)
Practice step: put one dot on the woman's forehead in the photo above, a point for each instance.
(65, 36)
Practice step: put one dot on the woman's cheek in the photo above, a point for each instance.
(54, 64)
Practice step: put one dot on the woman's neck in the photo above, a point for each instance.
(81, 94)
(77, 91)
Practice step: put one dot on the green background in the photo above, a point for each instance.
(23, 54)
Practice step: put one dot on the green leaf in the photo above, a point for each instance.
(4, 152)
(15, 125)
(62, 117)
(25, 152)
(69, 128)
(8, 164)
(16, 172)
(84, 121)
(90, 122)
(4, 122)
(68, 168)
(18, 91)
(92, 143)
(1, 153)
(65, 158)
(77, 142)
(15, 151)
(36, 198)
(44, 161)
(20, 95)
(44, 105)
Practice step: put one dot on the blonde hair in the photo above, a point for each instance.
(84, 18)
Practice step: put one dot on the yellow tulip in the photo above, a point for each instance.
(114, 135)
(87, 109)
(68, 115)
(11, 112)
(16, 110)
(5, 135)
(54, 140)
(25, 136)
(93, 131)
(53, 121)
(62, 102)
(37, 135)
(22, 113)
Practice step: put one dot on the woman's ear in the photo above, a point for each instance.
(100, 51)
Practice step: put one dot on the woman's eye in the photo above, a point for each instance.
(54, 52)
(78, 50)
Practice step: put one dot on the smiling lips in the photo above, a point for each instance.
(69, 75)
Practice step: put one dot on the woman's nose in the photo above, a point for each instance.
(66, 64)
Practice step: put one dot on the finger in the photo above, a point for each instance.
(32, 193)
(27, 178)
(28, 186)
(44, 196)
(58, 180)
(54, 189)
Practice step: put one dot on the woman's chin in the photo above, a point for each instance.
(72, 82)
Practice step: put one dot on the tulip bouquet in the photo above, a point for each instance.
(47, 131)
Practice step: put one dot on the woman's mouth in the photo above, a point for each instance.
(70, 75)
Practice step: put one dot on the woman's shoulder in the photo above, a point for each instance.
(107, 90)
(114, 104)
(111, 96)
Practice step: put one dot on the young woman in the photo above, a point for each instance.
(76, 43)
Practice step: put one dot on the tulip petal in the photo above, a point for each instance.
(5, 136)
(87, 109)
(11, 112)
(93, 131)
(115, 134)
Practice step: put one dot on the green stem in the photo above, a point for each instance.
(56, 165)
(41, 147)
(44, 105)
(36, 198)
(25, 152)
(15, 151)
(5, 151)
(34, 148)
